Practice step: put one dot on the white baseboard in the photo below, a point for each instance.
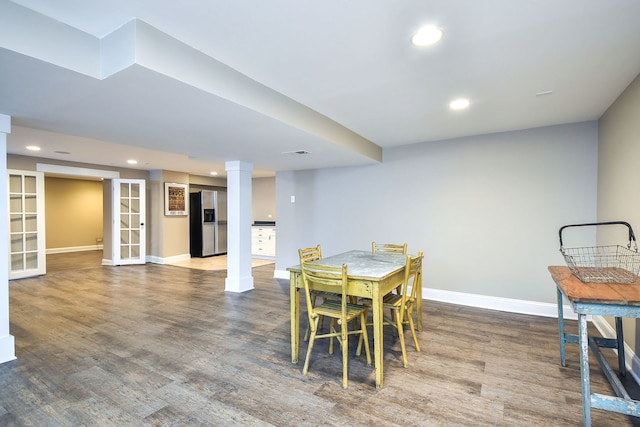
(74, 249)
(498, 303)
(635, 367)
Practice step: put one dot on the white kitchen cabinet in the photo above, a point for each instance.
(263, 241)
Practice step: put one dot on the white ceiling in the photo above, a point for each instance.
(252, 79)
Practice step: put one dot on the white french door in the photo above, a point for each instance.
(27, 249)
(128, 213)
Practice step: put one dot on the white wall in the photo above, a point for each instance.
(485, 209)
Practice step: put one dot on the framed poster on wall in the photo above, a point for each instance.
(175, 199)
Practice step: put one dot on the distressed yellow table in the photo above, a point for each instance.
(371, 275)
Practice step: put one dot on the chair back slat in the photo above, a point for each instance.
(310, 254)
(412, 276)
(329, 278)
(389, 247)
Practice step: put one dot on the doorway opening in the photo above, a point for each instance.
(74, 214)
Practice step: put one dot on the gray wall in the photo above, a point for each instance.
(484, 209)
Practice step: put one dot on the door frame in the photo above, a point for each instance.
(78, 172)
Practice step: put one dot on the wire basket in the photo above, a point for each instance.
(607, 264)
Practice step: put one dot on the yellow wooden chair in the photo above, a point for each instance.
(308, 255)
(402, 303)
(333, 279)
(389, 247)
(392, 248)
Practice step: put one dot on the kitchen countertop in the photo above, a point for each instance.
(264, 224)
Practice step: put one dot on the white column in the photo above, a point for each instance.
(7, 342)
(239, 278)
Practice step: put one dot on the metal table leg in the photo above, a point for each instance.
(583, 341)
(563, 354)
(620, 337)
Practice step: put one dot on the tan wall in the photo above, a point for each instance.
(73, 212)
(171, 233)
(264, 199)
(618, 181)
(107, 219)
(207, 181)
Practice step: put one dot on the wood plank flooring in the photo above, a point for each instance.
(160, 345)
(92, 259)
(73, 261)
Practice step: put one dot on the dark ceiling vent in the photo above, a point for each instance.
(296, 152)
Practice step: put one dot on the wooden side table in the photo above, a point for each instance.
(602, 299)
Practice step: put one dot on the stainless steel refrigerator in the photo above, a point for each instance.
(208, 223)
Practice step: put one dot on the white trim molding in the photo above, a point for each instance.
(75, 171)
(74, 249)
(498, 303)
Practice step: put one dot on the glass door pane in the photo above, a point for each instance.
(128, 233)
(26, 224)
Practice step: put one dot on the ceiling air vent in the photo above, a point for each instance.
(296, 152)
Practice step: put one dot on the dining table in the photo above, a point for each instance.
(370, 275)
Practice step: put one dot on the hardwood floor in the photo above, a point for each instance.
(91, 259)
(161, 345)
(73, 261)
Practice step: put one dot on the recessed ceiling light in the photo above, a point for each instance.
(32, 148)
(459, 104)
(544, 92)
(132, 162)
(427, 36)
(213, 173)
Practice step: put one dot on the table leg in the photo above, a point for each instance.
(622, 367)
(294, 295)
(376, 307)
(419, 304)
(583, 340)
(563, 354)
